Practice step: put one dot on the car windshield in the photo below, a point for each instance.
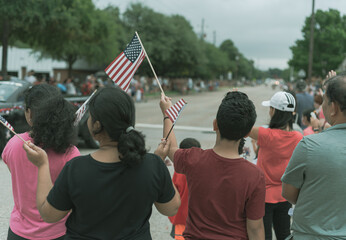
(7, 89)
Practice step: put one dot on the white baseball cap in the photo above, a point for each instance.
(282, 101)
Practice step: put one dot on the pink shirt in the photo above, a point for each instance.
(308, 131)
(25, 219)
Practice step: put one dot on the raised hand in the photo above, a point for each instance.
(165, 103)
(331, 74)
(163, 149)
(35, 154)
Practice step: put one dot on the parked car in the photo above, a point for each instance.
(12, 109)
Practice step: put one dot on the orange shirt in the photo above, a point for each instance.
(275, 150)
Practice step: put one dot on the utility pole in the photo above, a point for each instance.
(311, 45)
(202, 29)
(214, 38)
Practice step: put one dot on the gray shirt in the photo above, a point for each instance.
(318, 168)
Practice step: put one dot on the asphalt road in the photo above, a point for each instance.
(195, 121)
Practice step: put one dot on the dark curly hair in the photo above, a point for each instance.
(236, 116)
(336, 90)
(52, 118)
(115, 110)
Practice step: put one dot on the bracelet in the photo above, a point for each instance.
(165, 118)
(316, 129)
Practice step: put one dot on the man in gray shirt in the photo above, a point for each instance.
(315, 178)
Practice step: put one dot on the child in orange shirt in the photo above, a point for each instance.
(179, 180)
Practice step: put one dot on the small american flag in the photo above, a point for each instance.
(81, 111)
(174, 111)
(6, 124)
(122, 69)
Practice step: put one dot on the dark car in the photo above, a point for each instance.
(12, 109)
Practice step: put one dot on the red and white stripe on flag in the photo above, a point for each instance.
(174, 111)
(4, 121)
(122, 69)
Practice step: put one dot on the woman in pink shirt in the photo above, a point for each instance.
(50, 118)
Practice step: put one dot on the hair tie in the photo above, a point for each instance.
(130, 128)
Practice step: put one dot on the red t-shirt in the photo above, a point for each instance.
(180, 183)
(275, 150)
(223, 192)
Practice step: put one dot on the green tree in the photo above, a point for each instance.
(232, 53)
(329, 43)
(16, 19)
(217, 62)
(169, 41)
(73, 30)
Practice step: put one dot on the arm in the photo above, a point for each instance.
(44, 184)
(254, 133)
(255, 229)
(290, 193)
(166, 103)
(170, 208)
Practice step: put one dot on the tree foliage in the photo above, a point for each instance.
(15, 24)
(75, 29)
(329, 43)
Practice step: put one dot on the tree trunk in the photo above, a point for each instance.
(5, 36)
(70, 61)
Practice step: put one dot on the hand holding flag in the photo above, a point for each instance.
(174, 112)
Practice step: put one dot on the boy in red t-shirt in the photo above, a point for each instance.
(226, 192)
(179, 180)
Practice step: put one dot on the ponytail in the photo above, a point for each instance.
(131, 147)
(115, 110)
(241, 146)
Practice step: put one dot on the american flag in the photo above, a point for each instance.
(122, 69)
(5, 123)
(81, 111)
(174, 111)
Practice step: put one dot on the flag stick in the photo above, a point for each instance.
(14, 133)
(158, 82)
(89, 97)
(169, 132)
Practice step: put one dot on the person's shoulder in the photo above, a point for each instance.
(78, 160)
(251, 171)
(297, 134)
(193, 150)
(252, 167)
(15, 141)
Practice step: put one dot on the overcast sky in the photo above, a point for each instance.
(263, 30)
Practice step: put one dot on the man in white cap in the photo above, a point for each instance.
(315, 177)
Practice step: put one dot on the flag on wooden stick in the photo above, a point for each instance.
(6, 124)
(81, 111)
(174, 111)
(122, 69)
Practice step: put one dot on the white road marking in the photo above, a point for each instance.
(178, 127)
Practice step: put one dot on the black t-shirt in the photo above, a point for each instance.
(110, 200)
